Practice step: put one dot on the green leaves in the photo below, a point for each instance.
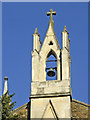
(7, 107)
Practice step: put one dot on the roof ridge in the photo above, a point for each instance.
(19, 107)
(81, 102)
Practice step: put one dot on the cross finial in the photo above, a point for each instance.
(51, 13)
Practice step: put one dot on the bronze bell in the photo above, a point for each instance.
(51, 72)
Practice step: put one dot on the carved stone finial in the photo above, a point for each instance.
(5, 78)
(36, 31)
(5, 85)
(65, 28)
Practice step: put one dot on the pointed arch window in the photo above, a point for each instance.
(51, 66)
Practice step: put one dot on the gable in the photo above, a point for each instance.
(50, 38)
(79, 110)
(49, 111)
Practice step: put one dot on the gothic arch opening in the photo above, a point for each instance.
(51, 66)
(51, 53)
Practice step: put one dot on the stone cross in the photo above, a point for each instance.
(51, 13)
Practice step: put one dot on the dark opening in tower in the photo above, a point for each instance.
(51, 66)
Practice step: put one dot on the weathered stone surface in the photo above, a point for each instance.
(57, 91)
(61, 105)
(79, 110)
(50, 87)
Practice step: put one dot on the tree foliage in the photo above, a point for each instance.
(7, 107)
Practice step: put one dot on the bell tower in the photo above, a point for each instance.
(50, 86)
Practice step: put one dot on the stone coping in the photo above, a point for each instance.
(50, 95)
(82, 103)
(19, 108)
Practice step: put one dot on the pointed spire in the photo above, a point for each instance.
(51, 22)
(36, 31)
(65, 29)
(5, 85)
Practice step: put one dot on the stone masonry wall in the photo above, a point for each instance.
(79, 110)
